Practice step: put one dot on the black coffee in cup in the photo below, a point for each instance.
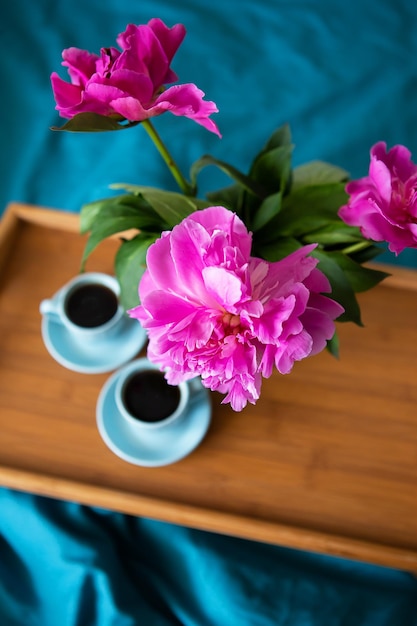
(148, 397)
(91, 304)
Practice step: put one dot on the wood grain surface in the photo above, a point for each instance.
(326, 460)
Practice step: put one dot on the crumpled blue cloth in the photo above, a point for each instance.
(344, 75)
(70, 565)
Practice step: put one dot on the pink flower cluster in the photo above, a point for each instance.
(130, 84)
(213, 310)
(384, 204)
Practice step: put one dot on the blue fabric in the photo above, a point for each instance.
(66, 564)
(344, 75)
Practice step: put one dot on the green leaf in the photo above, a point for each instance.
(124, 205)
(308, 209)
(367, 254)
(333, 345)
(172, 207)
(280, 137)
(130, 264)
(272, 169)
(109, 226)
(93, 123)
(229, 197)
(334, 233)
(361, 278)
(318, 173)
(231, 171)
(90, 213)
(342, 290)
(266, 211)
(277, 250)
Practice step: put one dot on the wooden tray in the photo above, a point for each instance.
(326, 461)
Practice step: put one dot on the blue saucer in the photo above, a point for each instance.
(184, 436)
(109, 353)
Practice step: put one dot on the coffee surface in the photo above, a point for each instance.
(91, 305)
(148, 397)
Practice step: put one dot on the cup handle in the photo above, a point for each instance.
(194, 385)
(48, 307)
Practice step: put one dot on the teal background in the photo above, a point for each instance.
(344, 75)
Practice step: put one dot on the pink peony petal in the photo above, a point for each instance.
(212, 310)
(66, 95)
(381, 177)
(384, 204)
(187, 101)
(81, 65)
(131, 109)
(223, 285)
(131, 82)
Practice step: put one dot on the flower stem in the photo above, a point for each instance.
(356, 247)
(185, 187)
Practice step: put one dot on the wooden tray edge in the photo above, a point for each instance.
(43, 216)
(400, 277)
(16, 213)
(187, 515)
(210, 521)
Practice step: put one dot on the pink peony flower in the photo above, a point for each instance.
(131, 84)
(384, 204)
(210, 309)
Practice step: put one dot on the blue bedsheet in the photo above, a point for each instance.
(79, 566)
(344, 75)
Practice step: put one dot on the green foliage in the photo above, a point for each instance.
(130, 264)
(318, 173)
(342, 289)
(171, 207)
(333, 346)
(347, 278)
(245, 182)
(284, 207)
(148, 211)
(267, 210)
(93, 123)
(110, 218)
